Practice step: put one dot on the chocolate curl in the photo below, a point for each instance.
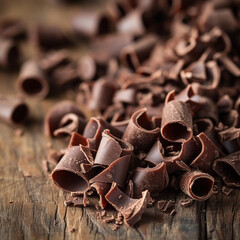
(47, 37)
(68, 174)
(125, 96)
(118, 8)
(134, 54)
(185, 152)
(115, 172)
(102, 189)
(176, 122)
(77, 139)
(89, 24)
(12, 29)
(90, 69)
(133, 23)
(208, 109)
(93, 131)
(57, 112)
(53, 60)
(204, 125)
(12, 110)
(70, 123)
(131, 209)
(102, 94)
(139, 132)
(230, 138)
(31, 81)
(119, 123)
(231, 67)
(197, 185)
(111, 148)
(152, 179)
(209, 152)
(228, 167)
(222, 18)
(9, 54)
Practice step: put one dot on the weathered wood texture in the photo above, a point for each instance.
(32, 208)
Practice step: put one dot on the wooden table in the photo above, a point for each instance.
(32, 208)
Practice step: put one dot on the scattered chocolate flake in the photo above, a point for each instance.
(186, 202)
(109, 219)
(227, 191)
(72, 230)
(19, 132)
(161, 204)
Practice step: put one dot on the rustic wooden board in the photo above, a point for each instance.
(32, 208)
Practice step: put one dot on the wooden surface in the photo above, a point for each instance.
(32, 208)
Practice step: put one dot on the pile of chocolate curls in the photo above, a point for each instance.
(164, 79)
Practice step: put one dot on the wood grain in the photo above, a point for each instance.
(32, 208)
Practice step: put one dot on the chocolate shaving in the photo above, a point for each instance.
(131, 209)
(12, 109)
(228, 168)
(176, 122)
(139, 132)
(152, 179)
(57, 112)
(186, 202)
(197, 185)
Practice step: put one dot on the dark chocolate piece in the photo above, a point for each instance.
(12, 29)
(186, 202)
(12, 109)
(197, 185)
(9, 54)
(57, 112)
(131, 209)
(152, 179)
(102, 94)
(47, 37)
(111, 148)
(91, 69)
(176, 122)
(139, 132)
(125, 96)
(70, 123)
(68, 174)
(93, 131)
(102, 189)
(119, 123)
(53, 60)
(89, 24)
(228, 168)
(180, 153)
(134, 54)
(32, 81)
(77, 139)
(209, 152)
(115, 172)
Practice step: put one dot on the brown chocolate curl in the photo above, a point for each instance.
(47, 37)
(93, 131)
(152, 179)
(197, 185)
(9, 54)
(110, 46)
(12, 110)
(136, 53)
(176, 122)
(70, 123)
(111, 148)
(57, 112)
(102, 94)
(228, 168)
(131, 209)
(209, 152)
(91, 69)
(53, 60)
(185, 152)
(32, 81)
(89, 24)
(125, 96)
(115, 172)
(139, 132)
(68, 174)
(77, 139)
(12, 29)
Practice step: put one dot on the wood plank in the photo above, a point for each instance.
(32, 208)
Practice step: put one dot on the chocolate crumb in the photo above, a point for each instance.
(226, 190)
(72, 230)
(186, 202)
(161, 204)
